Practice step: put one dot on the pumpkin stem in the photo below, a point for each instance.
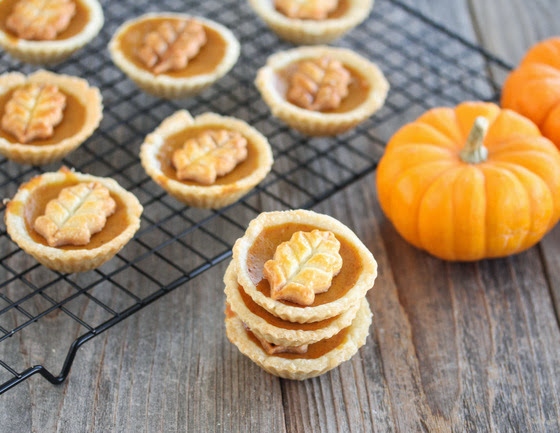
(474, 151)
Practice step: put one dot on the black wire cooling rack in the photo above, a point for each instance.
(426, 64)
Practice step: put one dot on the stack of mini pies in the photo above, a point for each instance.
(285, 338)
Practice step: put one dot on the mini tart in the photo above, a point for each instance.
(84, 26)
(299, 367)
(346, 16)
(215, 59)
(367, 91)
(275, 330)
(83, 112)
(268, 230)
(30, 201)
(155, 155)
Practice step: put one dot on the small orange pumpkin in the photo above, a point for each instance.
(533, 89)
(471, 182)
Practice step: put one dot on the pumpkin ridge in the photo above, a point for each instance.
(444, 150)
(445, 132)
(423, 196)
(395, 140)
(512, 231)
(512, 167)
(409, 172)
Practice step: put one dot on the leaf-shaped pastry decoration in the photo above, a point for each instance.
(171, 45)
(319, 84)
(77, 213)
(306, 9)
(303, 266)
(33, 111)
(274, 349)
(40, 20)
(211, 154)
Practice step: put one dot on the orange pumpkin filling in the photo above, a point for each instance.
(73, 119)
(314, 351)
(265, 245)
(358, 89)
(37, 201)
(177, 140)
(77, 23)
(206, 61)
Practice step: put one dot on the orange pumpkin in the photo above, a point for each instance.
(533, 89)
(471, 182)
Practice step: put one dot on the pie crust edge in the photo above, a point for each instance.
(299, 31)
(170, 87)
(303, 314)
(315, 123)
(274, 334)
(213, 196)
(89, 97)
(300, 369)
(48, 52)
(69, 260)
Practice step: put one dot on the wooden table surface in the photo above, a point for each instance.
(453, 347)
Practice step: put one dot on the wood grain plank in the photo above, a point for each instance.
(453, 348)
(534, 23)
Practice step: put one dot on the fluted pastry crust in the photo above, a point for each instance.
(300, 369)
(322, 222)
(89, 97)
(204, 196)
(171, 87)
(69, 260)
(308, 31)
(316, 123)
(53, 51)
(274, 334)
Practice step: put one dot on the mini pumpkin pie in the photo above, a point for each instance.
(45, 116)
(209, 161)
(312, 21)
(48, 31)
(302, 266)
(173, 55)
(72, 222)
(321, 91)
(301, 363)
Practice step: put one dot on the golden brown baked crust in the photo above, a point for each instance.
(68, 260)
(53, 51)
(303, 314)
(89, 97)
(171, 87)
(300, 369)
(213, 196)
(305, 31)
(316, 123)
(274, 334)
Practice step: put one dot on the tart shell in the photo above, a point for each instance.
(316, 123)
(310, 32)
(274, 334)
(213, 196)
(300, 369)
(48, 52)
(89, 97)
(69, 260)
(170, 87)
(303, 314)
